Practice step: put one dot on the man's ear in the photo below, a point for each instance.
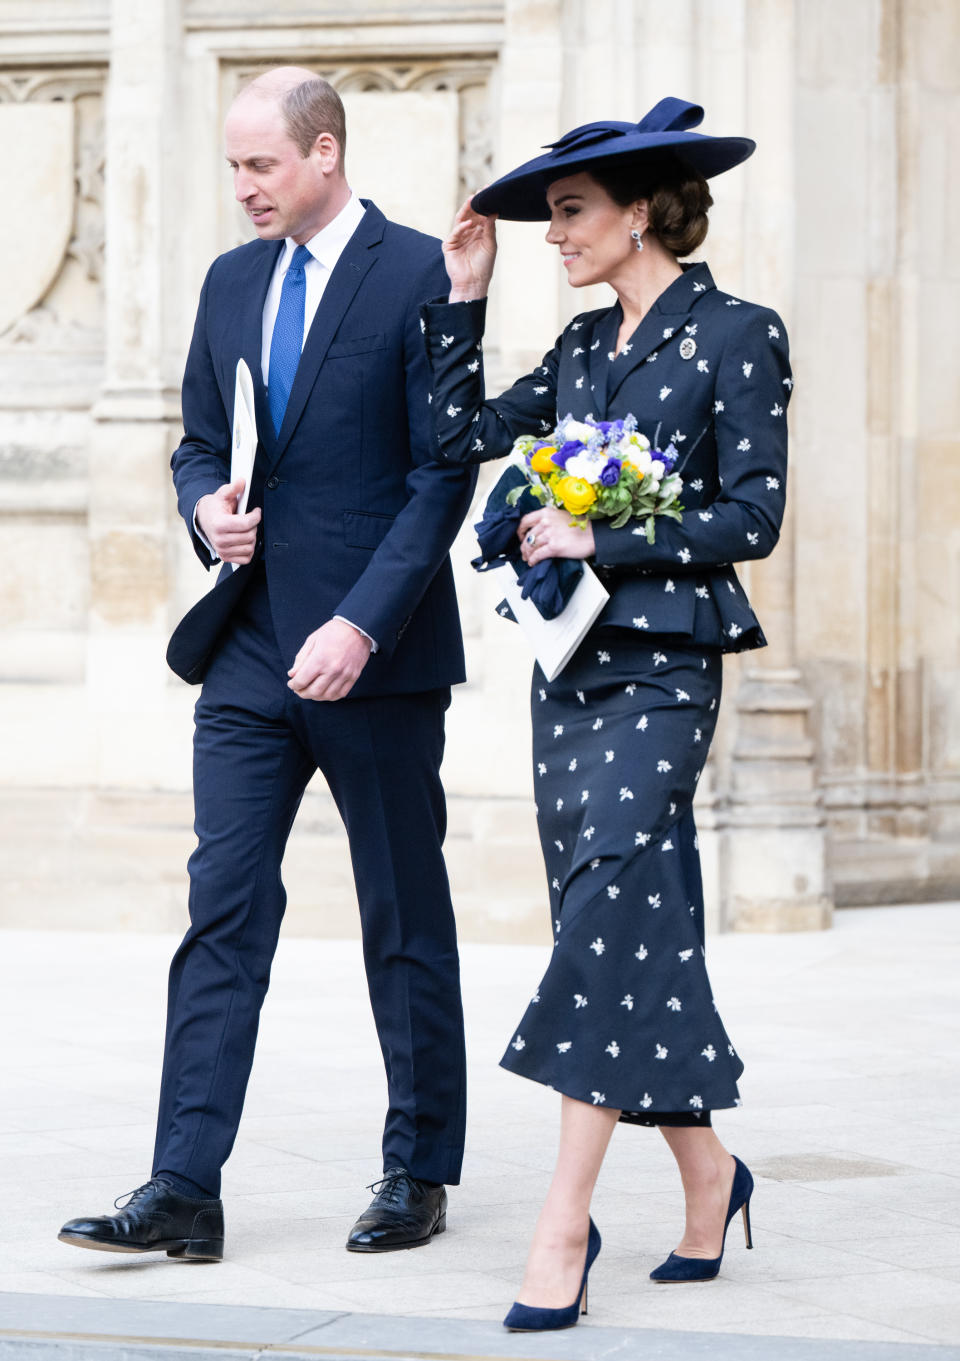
(327, 151)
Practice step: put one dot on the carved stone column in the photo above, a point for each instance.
(136, 418)
(775, 871)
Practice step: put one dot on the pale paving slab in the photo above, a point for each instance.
(851, 1042)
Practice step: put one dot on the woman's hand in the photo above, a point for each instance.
(550, 533)
(469, 252)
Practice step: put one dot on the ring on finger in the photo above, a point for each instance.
(531, 538)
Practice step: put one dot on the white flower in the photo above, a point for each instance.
(663, 766)
(703, 366)
(744, 446)
(673, 1004)
(697, 735)
(673, 809)
(681, 695)
(475, 364)
(587, 464)
(578, 349)
(540, 390)
(665, 393)
(555, 884)
(573, 764)
(773, 484)
(595, 865)
(659, 658)
(627, 348)
(642, 723)
(773, 332)
(613, 891)
(579, 383)
(642, 953)
(575, 430)
(446, 342)
(543, 694)
(733, 302)
(709, 1053)
(581, 697)
(519, 1043)
(564, 1045)
(776, 409)
(640, 622)
(597, 946)
(613, 1049)
(641, 838)
(627, 1002)
(559, 845)
(747, 369)
(603, 657)
(653, 899)
(661, 1052)
(584, 795)
(608, 756)
(589, 833)
(668, 332)
(598, 1098)
(479, 445)
(683, 554)
(734, 631)
(666, 845)
(610, 355)
(579, 1000)
(630, 689)
(697, 484)
(559, 804)
(598, 724)
(718, 407)
(685, 955)
(702, 593)
(541, 769)
(453, 410)
(625, 794)
(647, 1101)
(423, 327)
(753, 536)
(696, 1102)
(558, 730)
(575, 325)
(788, 383)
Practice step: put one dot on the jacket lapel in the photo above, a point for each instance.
(598, 366)
(356, 259)
(251, 338)
(668, 315)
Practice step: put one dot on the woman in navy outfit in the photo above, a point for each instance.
(624, 1024)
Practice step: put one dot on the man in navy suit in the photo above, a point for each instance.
(330, 641)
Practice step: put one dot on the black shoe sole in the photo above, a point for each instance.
(440, 1227)
(189, 1249)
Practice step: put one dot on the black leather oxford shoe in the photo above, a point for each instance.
(155, 1218)
(404, 1213)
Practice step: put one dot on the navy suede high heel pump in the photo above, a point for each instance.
(706, 1268)
(527, 1318)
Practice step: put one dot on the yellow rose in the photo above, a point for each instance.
(542, 461)
(575, 494)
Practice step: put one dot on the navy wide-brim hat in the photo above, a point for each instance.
(521, 195)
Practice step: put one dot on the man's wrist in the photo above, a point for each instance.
(374, 645)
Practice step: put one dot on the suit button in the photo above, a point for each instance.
(273, 483)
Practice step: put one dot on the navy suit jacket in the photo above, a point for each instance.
(705, 370)
(358, 517)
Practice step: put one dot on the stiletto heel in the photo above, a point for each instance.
(527, 1318)
(677, 1268)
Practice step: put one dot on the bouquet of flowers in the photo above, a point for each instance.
(600, 470)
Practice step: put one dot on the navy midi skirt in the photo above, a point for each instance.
(624, 1016)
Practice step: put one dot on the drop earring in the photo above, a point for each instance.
(638, 237)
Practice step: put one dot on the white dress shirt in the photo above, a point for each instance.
(326, 248)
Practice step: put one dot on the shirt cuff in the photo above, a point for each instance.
(374, 645)
(202, 537)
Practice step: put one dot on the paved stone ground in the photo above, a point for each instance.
(851, 1126)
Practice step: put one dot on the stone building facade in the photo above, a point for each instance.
(836, 774)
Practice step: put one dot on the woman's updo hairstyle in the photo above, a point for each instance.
(678, 196)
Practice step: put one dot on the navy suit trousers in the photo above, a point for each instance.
(256, 746)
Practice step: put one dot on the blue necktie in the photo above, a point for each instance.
(287, 340)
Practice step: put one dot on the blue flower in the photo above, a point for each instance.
(668, 457)
(611, 473)
(567, 450)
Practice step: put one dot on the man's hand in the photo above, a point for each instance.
(329, 662)
(232, 536)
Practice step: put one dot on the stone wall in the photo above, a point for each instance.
(836, 772)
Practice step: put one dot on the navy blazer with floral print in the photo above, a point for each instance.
(704, 370)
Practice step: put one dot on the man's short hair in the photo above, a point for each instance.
(311, 108)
